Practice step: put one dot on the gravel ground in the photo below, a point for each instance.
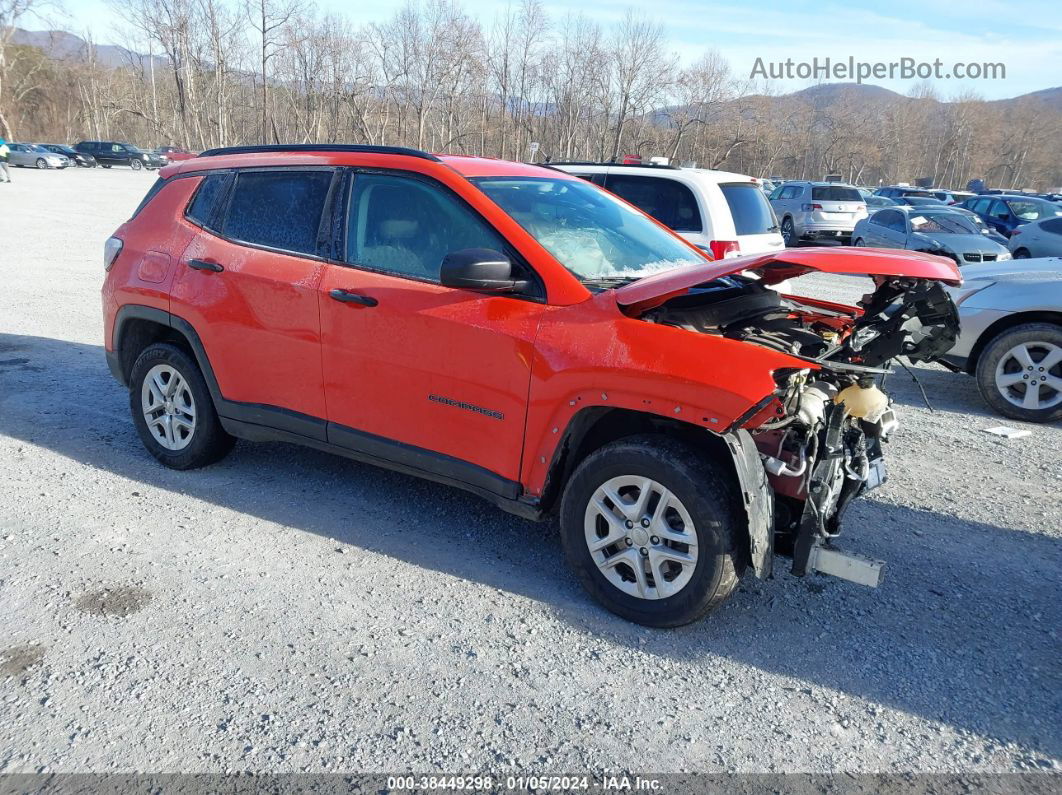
(287, 610)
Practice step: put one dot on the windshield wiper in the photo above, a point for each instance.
(609, 281)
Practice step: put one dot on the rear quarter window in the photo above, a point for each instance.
(835, 193)
(201, 208)
(749, 208)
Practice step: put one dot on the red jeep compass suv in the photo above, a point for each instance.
(523, 334)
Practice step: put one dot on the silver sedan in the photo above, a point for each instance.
(34, 156)
(1011, 338)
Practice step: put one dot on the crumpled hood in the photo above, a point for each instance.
(653, 291)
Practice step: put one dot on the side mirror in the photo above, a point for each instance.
(482, 270)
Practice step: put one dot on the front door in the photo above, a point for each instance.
(433, 377)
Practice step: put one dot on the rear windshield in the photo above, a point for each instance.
(835, 193)
(749, 206)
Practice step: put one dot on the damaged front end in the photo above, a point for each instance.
(819, 437)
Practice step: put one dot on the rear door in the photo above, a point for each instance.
(248, 283)
(429, 376)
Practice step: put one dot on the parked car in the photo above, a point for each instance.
(175, 154)
(116, 153)
(1011, 339)
(1006, 212)
(951, 196)
(874, 201)
(899, 191)
(75, 157)
(33, 156)
(935, 231)
(919, 201)
(525, 335)
(817, 210)
(720, 212)
(1037, 239)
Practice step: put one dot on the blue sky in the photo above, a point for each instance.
(1027, 38)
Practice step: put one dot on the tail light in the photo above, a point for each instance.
(111, 249)
(721, 249)
(809, 207)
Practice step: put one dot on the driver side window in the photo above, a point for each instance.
(406, 226)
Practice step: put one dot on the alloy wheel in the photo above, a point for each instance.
(42, 163)
(168, 406)
(641, 537)
(1029, 375)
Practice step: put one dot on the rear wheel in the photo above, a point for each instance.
(1019, 373)
(650, 527)
(173, 411)
(788, 232)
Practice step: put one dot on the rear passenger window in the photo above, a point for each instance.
(201, 210)
(668, 201)
(278, 209)
(1053, 225)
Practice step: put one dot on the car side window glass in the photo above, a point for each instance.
(878, 219)
(278, 209)
(406, 226)
(898, 223)
(667, 200)
(1052, 225)
(201, 209)
(999, 209)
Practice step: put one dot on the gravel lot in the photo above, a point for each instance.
(287, 610)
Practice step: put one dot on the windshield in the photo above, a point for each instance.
(588, 230)
(943, 223)
(36, 148)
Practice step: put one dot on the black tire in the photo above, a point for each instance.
(1031, 334)
(788, 232)
(42, 163)
(1021, 253)
(707, 493)
(858, 243)
(105, 165)
(135, 164)
(209, 442)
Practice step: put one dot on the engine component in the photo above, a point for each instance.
(863, 402)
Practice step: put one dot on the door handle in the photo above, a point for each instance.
(203, 265)
(348, 297)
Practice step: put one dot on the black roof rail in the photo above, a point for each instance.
(606, 163)
(360, 148)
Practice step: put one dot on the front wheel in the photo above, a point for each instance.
(1021, 253)
(136, 165)
(650, 527)
(42, 163)
(173, 411)
(858, 243)
(1019, 373)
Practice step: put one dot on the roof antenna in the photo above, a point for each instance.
(921, 388)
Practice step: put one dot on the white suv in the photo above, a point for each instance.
(818, 209)
(722, 213)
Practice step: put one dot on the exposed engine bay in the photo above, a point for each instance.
(820, 435)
